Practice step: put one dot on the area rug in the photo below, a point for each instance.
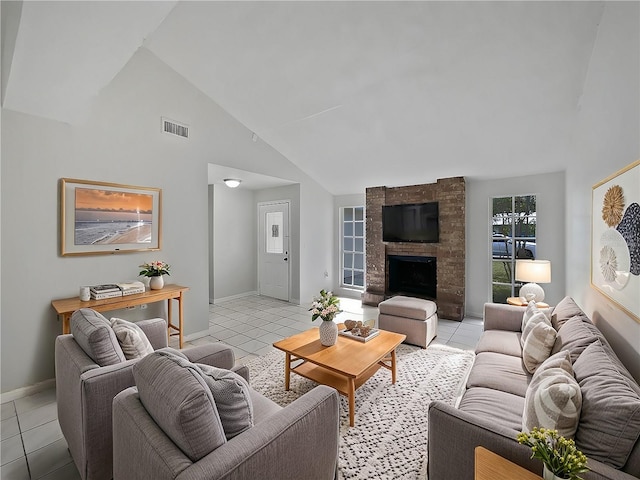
(389, 439)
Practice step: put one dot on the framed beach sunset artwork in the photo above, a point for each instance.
(101, 218)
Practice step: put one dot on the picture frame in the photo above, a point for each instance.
(108, 218)
(615, 234)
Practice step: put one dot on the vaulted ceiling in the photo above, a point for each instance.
(355, 94)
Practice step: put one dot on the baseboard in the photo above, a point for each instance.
(469, 314)
(215, 301)
(26, 391)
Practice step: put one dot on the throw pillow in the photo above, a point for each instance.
(536, 318)
(553, 399)
(575, 335)
(96, 337)
(537, 346)
(610, 419)
(529, 312)
(560, 360)
(132, 339)
(563, 311)
(176, 396)
(231, 393)
(173, 351)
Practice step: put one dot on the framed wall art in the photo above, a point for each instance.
(102, 218)
(615, 238)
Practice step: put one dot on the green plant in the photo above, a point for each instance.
(559, 454)
(326, 306)
(154, 269)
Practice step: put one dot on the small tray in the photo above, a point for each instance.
(347, 333)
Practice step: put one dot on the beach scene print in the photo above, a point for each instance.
(112, 217)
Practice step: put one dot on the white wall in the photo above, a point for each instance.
(122, 143)
(340, 201)
(607, 138)
(550, 244)
(234, 242)
(317, 233)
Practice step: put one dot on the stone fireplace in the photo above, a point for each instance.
(448, 254)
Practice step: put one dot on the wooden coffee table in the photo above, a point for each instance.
(344, 366)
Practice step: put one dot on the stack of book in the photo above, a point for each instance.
(100, 292)
(131, 288)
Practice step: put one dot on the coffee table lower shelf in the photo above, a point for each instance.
(324, 376)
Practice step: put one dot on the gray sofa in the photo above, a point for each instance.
(186, 421)
(90, 370)
(491, 409)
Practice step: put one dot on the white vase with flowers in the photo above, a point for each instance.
(155, 271)
(326, 306)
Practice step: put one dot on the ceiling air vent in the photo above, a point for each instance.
(174, 128)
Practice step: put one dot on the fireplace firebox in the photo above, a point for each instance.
(413, 274)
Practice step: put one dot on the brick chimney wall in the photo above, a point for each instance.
(450, 251)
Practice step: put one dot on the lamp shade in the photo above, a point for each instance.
(536, 271)
(232, 182)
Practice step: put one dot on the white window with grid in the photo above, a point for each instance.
(513, 236)
(352, 247)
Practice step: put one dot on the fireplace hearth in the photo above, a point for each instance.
(413, 274)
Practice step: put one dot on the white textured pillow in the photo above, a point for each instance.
(553, 399)
(132, 340)
(528, 313)
(536, 318)
(231, 394)
(537, 347)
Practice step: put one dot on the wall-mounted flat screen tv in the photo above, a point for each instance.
(410, 223)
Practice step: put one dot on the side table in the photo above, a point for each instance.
(519, 303)
(491, 466)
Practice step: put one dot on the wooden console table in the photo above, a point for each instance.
(66, 306)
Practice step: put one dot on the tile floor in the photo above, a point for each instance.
(33, 446)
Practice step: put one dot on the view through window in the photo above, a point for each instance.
(513, 227)
(352, 247)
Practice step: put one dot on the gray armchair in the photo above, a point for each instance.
(299, 441)
(85, 390)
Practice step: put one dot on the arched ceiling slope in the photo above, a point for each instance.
(355, 94)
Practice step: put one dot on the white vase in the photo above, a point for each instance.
(328, 333)
(156, 283)
(549, 475)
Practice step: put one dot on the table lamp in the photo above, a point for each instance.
(533, 272)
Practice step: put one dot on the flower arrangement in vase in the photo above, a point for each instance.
(326, 307)
(155, 271)
(561, 458)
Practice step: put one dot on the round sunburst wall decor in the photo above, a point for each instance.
(608, 263)
(614, 259)
(613, 206)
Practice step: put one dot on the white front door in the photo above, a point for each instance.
(273, 250)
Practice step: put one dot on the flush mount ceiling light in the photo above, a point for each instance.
(232, 182)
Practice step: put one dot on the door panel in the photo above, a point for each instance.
(273, 250)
